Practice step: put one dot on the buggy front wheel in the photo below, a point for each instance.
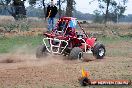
(99, 51)
(76, 53)
(41, 51)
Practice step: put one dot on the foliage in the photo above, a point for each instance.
(69, 8)
(129, 35)
(15, 8)
(10, 27)
(34, 12)
(19, 25)
(111, 10)
(24, 27)
(98, 17)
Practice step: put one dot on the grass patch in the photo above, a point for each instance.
(7, 44)
(127, 36)
(116, 52)
(114, 40)
(117, 46)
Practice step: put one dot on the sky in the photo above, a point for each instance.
(85, 7)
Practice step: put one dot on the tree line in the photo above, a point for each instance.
(109, 10)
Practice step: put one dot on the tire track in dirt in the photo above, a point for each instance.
(57, 70)
(25, 69)
(26, 72)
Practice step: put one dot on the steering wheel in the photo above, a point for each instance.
(58, 32)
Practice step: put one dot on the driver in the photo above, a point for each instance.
(62, 25)
(70, 31)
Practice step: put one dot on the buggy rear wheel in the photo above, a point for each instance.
(76, 53)
(41, 51)
(99, 51)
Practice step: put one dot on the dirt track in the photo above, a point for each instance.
(32, 71)
(28, 71)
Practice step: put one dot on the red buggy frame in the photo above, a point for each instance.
(65, 40)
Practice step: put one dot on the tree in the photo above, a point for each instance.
(34, 12)
(98, 18)
(70, 7)
(44, 3)
(44, 7)
(14, 7)
(59, 3)
(40, 3)
(111, 9)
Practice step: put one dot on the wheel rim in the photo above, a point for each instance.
(101, 51)
(80, 55)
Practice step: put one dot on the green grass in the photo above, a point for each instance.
(7, 44)
(116, 46)
(115, 40)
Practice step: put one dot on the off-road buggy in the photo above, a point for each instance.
(65, 40)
